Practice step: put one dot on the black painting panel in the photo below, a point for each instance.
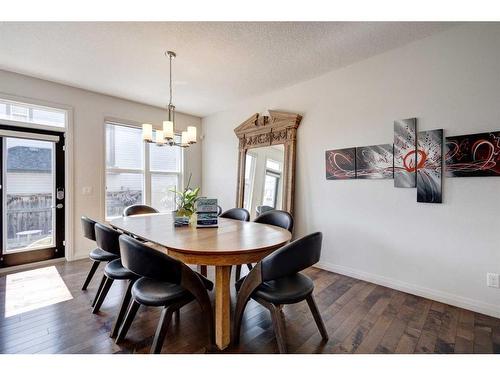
(473, 155)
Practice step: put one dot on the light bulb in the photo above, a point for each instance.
(160, 140)
(191, 134)
(184, 139)
(168, 130)
(147, 132)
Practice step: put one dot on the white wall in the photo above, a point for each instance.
(89, 112)
(372, 230)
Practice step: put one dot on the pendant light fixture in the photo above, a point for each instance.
(167, 135)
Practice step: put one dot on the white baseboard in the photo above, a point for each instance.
(444, 297)
(30, 266)
(79, 256)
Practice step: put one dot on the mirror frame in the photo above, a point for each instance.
(261, 131)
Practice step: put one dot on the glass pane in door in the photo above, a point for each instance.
(28, 194)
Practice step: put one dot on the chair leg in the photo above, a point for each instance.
(101, 284)
(251, 282)
(132, 310)
(237, 275)
(100, 298)
(161, 331)
(279, 327)
(202, 270)
(317, 317)
(91, 274)
(123, 309)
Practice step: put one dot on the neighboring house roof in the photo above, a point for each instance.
(29, 159)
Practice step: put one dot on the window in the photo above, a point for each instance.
(33, 114)
(273, 165)
(271, 183)
(139, 173)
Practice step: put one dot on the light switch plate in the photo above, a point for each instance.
(493, 280)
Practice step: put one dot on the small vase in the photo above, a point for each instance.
(193, 219)
(181, 217)
(181, 212)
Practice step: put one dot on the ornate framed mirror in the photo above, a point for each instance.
(266, 162)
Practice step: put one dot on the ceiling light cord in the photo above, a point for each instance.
(170, 58)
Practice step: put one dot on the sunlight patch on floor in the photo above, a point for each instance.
(30, 290)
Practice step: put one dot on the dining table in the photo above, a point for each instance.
(231, 243)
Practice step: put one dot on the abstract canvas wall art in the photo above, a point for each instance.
(341, 164)
(405, 153)
(429, 166)
(374, 162)
(473, 155)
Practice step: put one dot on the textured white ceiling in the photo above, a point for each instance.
(218, 63)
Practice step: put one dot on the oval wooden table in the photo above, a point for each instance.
(233, 242)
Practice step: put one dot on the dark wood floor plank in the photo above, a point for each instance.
(465, 327)
(430, 330)
(379, 329)
(311, 339)
(463, 346)
(393, 334)
(357, 335)
(360, 317)
(413, 330)
(445, 342)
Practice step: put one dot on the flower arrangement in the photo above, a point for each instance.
(186, 200)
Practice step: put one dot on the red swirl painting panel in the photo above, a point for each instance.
(341, 164)
(374, 162)
(473, 155)
(405, 149)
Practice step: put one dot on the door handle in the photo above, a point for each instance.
(60, 193)
(60, 205)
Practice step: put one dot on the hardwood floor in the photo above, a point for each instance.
(36, 316)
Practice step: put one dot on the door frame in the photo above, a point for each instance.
(27, 257)
(68, 162)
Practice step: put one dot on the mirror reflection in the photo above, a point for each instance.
(263, 179)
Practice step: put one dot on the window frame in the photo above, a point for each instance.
(277, 177)
(70, 251)
(30, 106)
(278, 174)
(145, 171)
(251, 179)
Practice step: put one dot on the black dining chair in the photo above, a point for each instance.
(139, 209)
(276, 281)
(107, 238)
(272, 217)
(242, 215)
(277, 218)
(164, 282)
(98, 255)
(259, 210)
(236, 214)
